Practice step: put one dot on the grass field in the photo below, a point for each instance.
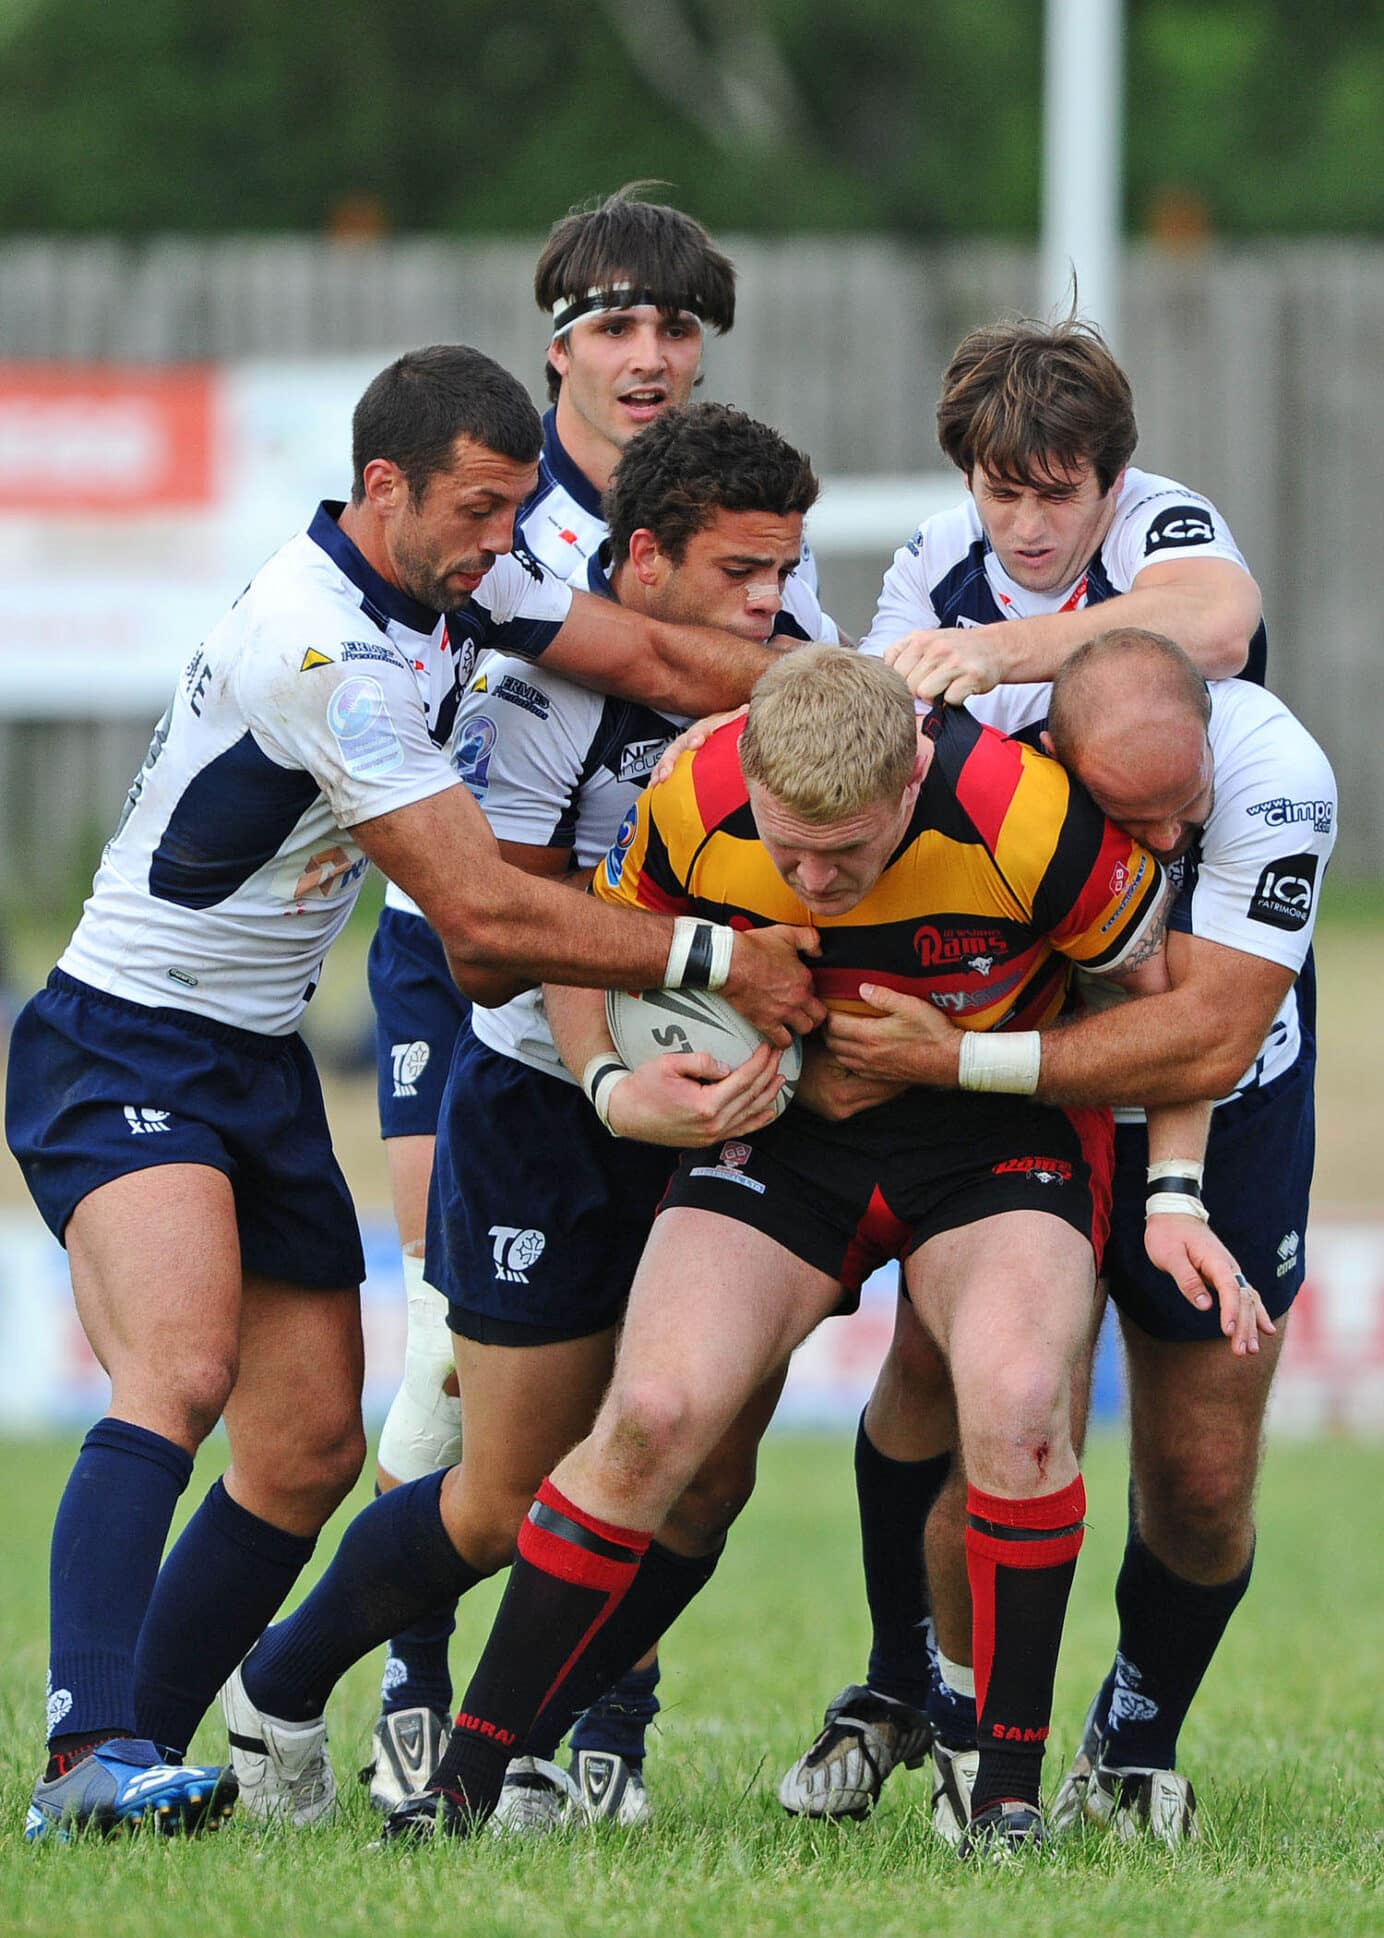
(1285, 1746)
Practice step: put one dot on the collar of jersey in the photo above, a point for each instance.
(349, 559)
(598, 571)
(564, 471)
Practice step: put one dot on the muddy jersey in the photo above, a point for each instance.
(948, 574)
(1006, 877)
(554, 765)
(1253, 878)
(325, 697)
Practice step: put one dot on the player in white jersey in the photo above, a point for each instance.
(163, 1108)
(1059, 539)
(636, 285)
(534, 1257)
(632, 287)
(1239, 800)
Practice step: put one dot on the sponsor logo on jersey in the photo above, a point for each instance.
(475, 745)
(1283, 896)
(312, 658)
(184, 977)
(358, 717)
(1179, 526)
(374, 649)
(1282, 813)
(516, 1248)
(530, 564)
(329, 873)
(410, 1060)
(1288, 1247)
(1126, 886)
(144, 1123)
(1043, 1170)
(520, 694)
(936, 947)
(639, 758)
(615, 859)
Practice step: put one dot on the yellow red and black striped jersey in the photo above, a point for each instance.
(1007, 877)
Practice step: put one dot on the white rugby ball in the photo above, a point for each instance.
(659, 1022)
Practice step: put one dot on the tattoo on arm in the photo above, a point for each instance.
(1148, 946)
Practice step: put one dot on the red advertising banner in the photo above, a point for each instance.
(105, 438)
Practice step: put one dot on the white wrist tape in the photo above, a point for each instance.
(1001, 1060)
(1177, 1192)
(700, 954)
(598, 1080)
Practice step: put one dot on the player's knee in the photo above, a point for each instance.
(194, 1391)
(712, 1500)
(1195, 1504)
(646, 1427)
(484, 1523)
(310, 1481)
(1016, 1424)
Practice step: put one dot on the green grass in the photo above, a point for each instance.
(1284, 1745)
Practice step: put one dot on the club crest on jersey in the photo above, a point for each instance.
(475, 745)
(144, 1123)
(410, 1060)
(624, 840)
(358, 717)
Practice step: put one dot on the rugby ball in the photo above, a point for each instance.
(660, 1022)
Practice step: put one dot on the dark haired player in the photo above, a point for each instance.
(537, 1218)
(163, 1108)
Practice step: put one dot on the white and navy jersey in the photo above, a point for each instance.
(1253, 880)
(949, 575)
(560, 526)
(324, 698)
(552, 764)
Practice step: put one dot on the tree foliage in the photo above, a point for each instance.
(918, 117)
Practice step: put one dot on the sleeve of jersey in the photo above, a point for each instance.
(905, 603)
(519, 744)
(1168, 522)
(358, 728)
(1095, 893)
(521, 607)
(1258, 881)
(650, 863)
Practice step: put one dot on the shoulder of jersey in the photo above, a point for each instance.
(712, 778)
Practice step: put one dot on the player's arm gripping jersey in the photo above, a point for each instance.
(1006, 877)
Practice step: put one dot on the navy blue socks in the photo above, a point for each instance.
(1169, 1631)
(894, 1498)
(108, 1538)
(395, 1563)
(224, 1580)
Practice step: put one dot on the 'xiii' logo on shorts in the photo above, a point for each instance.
(143, 1123)
(517, 1247)
(1288, 1246)
(410, 1061)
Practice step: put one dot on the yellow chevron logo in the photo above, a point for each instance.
(313, 658)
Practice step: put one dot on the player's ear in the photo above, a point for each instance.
(558, 358)
(386, 487)
(1045, 742)
(646, 561)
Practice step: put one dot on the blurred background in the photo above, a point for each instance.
(217, 224)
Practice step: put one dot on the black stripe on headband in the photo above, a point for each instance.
(618, 296)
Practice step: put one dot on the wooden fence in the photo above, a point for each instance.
(1258, 374)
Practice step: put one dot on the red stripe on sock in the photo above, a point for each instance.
(551, 1496)
(1057, 1510)
(981, 1571)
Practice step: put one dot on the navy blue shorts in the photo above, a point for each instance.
(418, 1011)
(1258, 1180)
(99, 1087)
(536, 1215)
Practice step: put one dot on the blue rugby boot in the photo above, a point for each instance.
(123, 1781)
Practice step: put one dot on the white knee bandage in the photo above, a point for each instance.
(423, 1428)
